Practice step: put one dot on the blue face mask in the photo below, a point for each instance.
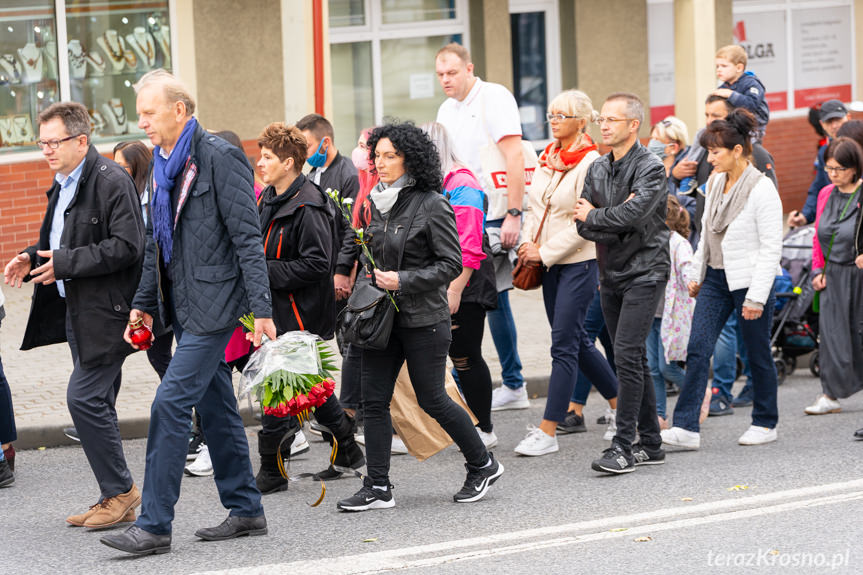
(319, 158)
(657, 147)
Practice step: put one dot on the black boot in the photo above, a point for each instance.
(269, 479)
(349, 455)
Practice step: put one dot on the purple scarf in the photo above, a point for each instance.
(165, 172)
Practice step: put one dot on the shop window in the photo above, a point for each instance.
(108, 47)
(347, 13)
(402, 11)
(353, 106)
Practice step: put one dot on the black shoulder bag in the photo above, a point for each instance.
(368, 317)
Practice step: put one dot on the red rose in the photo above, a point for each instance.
(303, 403)
(329, 385)
(291, 406)
(318, 395)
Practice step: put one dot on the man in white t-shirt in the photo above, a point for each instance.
(478, 114)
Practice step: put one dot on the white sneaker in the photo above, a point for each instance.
(399, 447)
(504, 397)
(757, 435)
(823, 405)
(300, 444)
(611, 430)
(679, 437)
(203, 465)
(488, 439)
(536, 443)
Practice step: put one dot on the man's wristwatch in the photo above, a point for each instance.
(514, 212)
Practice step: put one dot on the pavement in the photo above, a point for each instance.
(38, 377)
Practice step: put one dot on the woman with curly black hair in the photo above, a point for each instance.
(412, 235)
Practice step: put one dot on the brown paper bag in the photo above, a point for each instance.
(423, 436)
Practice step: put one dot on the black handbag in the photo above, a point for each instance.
(368, 317)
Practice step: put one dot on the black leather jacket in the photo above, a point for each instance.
(631, 236)
(431, 258)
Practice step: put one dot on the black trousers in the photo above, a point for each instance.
(425, 350)
(629, 312)
(90, 396)
(468, 325)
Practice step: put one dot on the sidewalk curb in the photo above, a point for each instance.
(34, 437)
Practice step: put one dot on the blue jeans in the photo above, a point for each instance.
(714, 304)
(660, 370)
(729, 346)
(594, 325)
(502, 327)
(566, 291)
(197, 377)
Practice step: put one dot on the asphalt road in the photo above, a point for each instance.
(789, 507)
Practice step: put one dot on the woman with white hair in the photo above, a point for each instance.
(473, 292)
(569, 269)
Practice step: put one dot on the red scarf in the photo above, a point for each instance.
(564, 160)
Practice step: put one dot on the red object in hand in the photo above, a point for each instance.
(140, 334)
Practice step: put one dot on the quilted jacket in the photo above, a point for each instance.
(631, 236)
(218, 271)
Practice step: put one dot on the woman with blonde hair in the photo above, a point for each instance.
(569, 270)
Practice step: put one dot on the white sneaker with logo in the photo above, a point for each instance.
(537, 443)
(757, 435)
(823, 405)
(611, 430)
(202, 466)
(679, 437)
(504, 397)
(488, 439)
(300, 444)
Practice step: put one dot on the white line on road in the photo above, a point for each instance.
(571, 533)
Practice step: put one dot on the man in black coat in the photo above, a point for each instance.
(86, 266)
(204, 268)
(622, 208)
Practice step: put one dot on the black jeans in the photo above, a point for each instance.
(629, 312)
(468, 325)
(425, 350)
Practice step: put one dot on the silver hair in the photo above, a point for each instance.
(439, 136)
(634, 105)
(174, 89)
(575, 103)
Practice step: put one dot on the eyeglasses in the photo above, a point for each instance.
(557, 117)
(835, 170)
(602, 121)
(54, 144)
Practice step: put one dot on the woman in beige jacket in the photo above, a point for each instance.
(569, 276)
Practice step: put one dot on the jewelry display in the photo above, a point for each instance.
(31, 57)
(97, 123)
(50, 51)
(7, 136)
(162, 34)
(144, 45)
(23, 128)
(11, 69)
(131, 59)
(113, 46)
(115, 114)
(96, 62)
(77, 60)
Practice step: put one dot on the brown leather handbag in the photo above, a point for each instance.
(528, 275)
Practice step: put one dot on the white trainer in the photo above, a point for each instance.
(300, 444)
(504, 397)
(823, 405)
(611, 430)
(202, 466)
(488, 439)
(399, 447)
(537, 443)
(679, 437)
(757, 435)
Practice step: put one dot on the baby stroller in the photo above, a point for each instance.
(795, 326)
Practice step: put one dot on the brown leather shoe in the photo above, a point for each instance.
(113, 510)
(78, 520)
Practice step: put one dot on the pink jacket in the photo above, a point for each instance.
(817, 253)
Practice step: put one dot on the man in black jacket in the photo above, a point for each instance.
(622, 208)
(86, 267)
(204, 268)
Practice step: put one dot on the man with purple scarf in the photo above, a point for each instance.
(204, 268)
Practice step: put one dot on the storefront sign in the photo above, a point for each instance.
(822, 55)
(763, 36)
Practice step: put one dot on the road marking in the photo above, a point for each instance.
(512, 542)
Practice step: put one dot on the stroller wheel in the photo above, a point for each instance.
(814, 365)
(780, 370)
(790, 364)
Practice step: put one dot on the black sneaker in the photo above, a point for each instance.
(72, 434)
(614, 460)
(744, 398)
(720, 405)
(368, 498)
(478, 480)
(7, 478)
(573, 423)
(671, 390)
(196, 443)
(644, 455)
